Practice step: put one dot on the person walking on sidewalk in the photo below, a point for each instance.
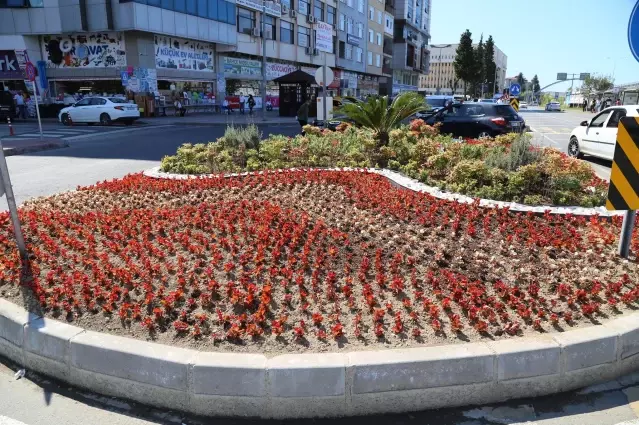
(585, 104)
(302, 115)
(242, 103)
(251, 104)
(20, 106)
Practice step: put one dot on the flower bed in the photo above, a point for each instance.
(309, 260)
(507, 168)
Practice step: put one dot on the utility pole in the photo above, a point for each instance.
(263, 31)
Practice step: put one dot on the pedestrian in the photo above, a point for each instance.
(20, 106)
(592, 105)
(226, 107)
(242, 103)
(597, 105)
(585, 104)
(302, 115)
(251, 104)
(618, 102)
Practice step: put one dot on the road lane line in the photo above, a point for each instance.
(8, 421)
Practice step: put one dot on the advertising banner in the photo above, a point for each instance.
(324, 37)
(141, 80)
(91, 50)
(185, 55)
(9, 66)
(272, 8)
(308, 69)
(276, 70)
(238, 68)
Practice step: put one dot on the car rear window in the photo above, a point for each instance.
(118, 100)
(504, 110)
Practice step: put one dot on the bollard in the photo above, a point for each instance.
(11, 132)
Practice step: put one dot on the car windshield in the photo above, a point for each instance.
(118, 100)
(436, 102)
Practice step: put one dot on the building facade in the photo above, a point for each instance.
(442, 78)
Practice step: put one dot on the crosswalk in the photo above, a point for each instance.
(553, 130)
(62, 133)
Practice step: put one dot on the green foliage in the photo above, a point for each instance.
(597, 83)
(489, 63)
(519, 154)
(234, 137)
(536, 86)
(465, 64)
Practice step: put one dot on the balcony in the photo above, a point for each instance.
(390, 7)
(388, 46)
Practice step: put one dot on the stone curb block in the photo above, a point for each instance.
(587, 347)
(307, 375)
(526, 358)
(409, 183)
(229, 374)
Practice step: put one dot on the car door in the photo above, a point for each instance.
(591, 140)
(608, 133)
(452, 122)
(97, 107)
(472, 125)
(79, 111)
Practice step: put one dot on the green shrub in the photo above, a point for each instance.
(521, 153)
(235, 137)
(469, 174)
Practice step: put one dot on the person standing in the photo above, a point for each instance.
(302, 115)
(251, 104)
(242, 103)
(20, 106)
(585, 104)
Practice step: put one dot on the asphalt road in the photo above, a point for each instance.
(554, 128)
(107, 155)
(33, 400)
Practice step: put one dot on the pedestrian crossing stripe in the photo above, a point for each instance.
(623, 193)
(514, 102)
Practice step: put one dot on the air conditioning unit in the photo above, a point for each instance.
(284, 9)
(315, 52)
(268, 34)
(255, 32)
(311, 19)
(410, 15)
(293, 13)
(309, 51)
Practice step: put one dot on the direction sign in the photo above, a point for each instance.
(30, 71)
(515, 89)
(584, 75)
(623, 193)
(514, 102)
(562, 76)
(633, 31)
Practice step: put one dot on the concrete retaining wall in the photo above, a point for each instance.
(321, 384)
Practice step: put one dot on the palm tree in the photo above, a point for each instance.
(375, 113)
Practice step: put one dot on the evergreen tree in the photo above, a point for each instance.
(480, 67)
(535, 82)
(464, 64)
(490, 68)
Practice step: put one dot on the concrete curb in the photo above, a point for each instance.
(35, 148)
(319, 384)
(409, 183)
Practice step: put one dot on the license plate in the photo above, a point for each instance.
(133, 108)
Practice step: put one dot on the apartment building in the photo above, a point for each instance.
(84, 46)
(352, 46)
(442, 78)
(375, 37)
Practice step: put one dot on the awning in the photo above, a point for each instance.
(296, 77)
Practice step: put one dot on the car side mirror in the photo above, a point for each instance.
(584, 124)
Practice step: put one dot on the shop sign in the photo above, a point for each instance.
(276, 70)
(351, 39)
(309, 70)
(400, 88)
(272, 8)
(242, 67)
(185, 55)
(91, 50)
(324, 37)
(9, 66)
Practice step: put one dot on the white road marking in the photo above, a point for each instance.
(125, 130)
(8, 421)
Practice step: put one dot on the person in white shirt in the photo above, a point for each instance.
(225, 106)
(20, 106)
(242, 103)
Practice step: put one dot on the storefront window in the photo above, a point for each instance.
(269, 24)
(303, 36)
(245, 21)
(286, 32)
(330, 15)
(318, 10)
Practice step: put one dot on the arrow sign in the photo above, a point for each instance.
(515, 89)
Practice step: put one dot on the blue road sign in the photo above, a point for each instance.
(125, 78)
(515, 89)
(633, 31)
(30, 71)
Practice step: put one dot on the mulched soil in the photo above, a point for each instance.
(309, 261)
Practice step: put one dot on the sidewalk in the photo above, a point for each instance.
(12, 147)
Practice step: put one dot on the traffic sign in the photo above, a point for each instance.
(623, 193)
(319, 75)
(633, 31)
(562, 76)
(30, 71)
(514, 102)
(515, 89)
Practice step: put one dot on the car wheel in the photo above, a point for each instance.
(105, 119)
(573, 148)
(483, 135)
(66, 120)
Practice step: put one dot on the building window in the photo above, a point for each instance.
(303, 7)
(168, 4)
(202, 8)
(378, 60)
(269, 24)
(342, 20)
(349, 51)
(370, 58)
(371, 13)
(370, 36)
(379, 17)
(360, 54)
(191, 7)
(287, 3)
(318, 10)
(330, 15)
(349, 25)
(180, 6)
(360, 6)
(349, 3)
(379, 39)
(286, 32)
(245, 21)
(342, 49)
(303, 36)
(360, 30)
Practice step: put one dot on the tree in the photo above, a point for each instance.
(521, 80)
(490, 68)
(595, 83)
(453, 83)
(480, 67)
(465, 65)
(536, 86)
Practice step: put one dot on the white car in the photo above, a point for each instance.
(598, 136)
(523, 105)
(553, 106)
(103, 110)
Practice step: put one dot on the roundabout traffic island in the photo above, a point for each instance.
(313, 292)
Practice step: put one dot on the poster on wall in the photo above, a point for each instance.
(140, 80)
(91, 50)
(187, 55)
(221, 83)
(242, 67)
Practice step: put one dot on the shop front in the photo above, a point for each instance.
(368, 85)
(348, 84)
(11, 71)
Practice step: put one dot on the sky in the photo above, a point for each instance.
(545, 37)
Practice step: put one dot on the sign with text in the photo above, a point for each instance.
(90, 50)
(584, 75)
(181, 54)
(9, 66)
(272, 8)
(242, 67)
(276, 70)
(354, 40)
(324, 37)
(562, 76)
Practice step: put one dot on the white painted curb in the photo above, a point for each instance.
(407, 182)
(319, 384)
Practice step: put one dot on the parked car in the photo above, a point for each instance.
(523, 105)
(598, 136)
(103, 110)
(478, 120)
(7, 106)
(553, 106)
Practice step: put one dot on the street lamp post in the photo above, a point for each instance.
(439, 74)
(263, 32)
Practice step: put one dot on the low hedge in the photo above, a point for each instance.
(507, 168)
